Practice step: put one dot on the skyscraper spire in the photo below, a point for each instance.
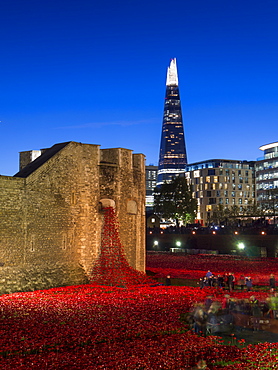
(172, 156)
(172, 74)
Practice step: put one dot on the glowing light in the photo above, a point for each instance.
(178, 243)
(241, 246)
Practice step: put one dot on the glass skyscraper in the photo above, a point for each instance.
(172, 156)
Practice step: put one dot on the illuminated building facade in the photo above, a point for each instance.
(221, 182)
(151, 176)
(267, 178)
(172, 156)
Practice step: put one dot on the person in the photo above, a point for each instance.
(255, 312)
(168, 280)
(209, 274)
(201, 283)
(249, 283)
(231, 280)
(272, 283)
(200, 320)
(220, 281)
(273, 305)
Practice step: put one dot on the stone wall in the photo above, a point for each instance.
(50, 215)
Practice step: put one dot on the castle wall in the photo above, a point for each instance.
(50, 231)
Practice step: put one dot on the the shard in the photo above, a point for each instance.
(172, 156)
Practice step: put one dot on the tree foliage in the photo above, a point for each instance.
(174, 200)
(227, 215)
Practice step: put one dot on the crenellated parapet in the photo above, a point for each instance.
(52, 214)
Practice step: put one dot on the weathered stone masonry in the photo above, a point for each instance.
(50, 219)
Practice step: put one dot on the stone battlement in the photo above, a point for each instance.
(50, 211)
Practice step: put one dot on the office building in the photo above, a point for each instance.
(267, 178)
(221, 182)
(151, 176)
(172, 156)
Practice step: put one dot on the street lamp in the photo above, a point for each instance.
(241, 246)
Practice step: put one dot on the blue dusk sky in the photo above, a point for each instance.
(94, 72)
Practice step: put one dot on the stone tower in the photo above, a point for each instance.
(51, 219)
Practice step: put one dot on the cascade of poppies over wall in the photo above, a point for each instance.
(111, 267)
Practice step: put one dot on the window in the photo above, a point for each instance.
(227, 201)
(208, 193)
(211, 172)
(212, 200)
(32, 243)
(73, 198)
(64, 242)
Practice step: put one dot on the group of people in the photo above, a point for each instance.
(214, 316)
(227, 281)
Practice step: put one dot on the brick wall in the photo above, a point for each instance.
(50, 231)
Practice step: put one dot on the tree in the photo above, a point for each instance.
(220, 214)
(174, 200)
(253, 209)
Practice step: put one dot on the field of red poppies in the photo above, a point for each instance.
(101, 327)
(196, 266)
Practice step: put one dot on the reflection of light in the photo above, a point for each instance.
(241, 246)
(178, 244)
(161, 232)
(214, 232)
(193, 232)
(151, 232)
(236, 232)
(263, 233)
